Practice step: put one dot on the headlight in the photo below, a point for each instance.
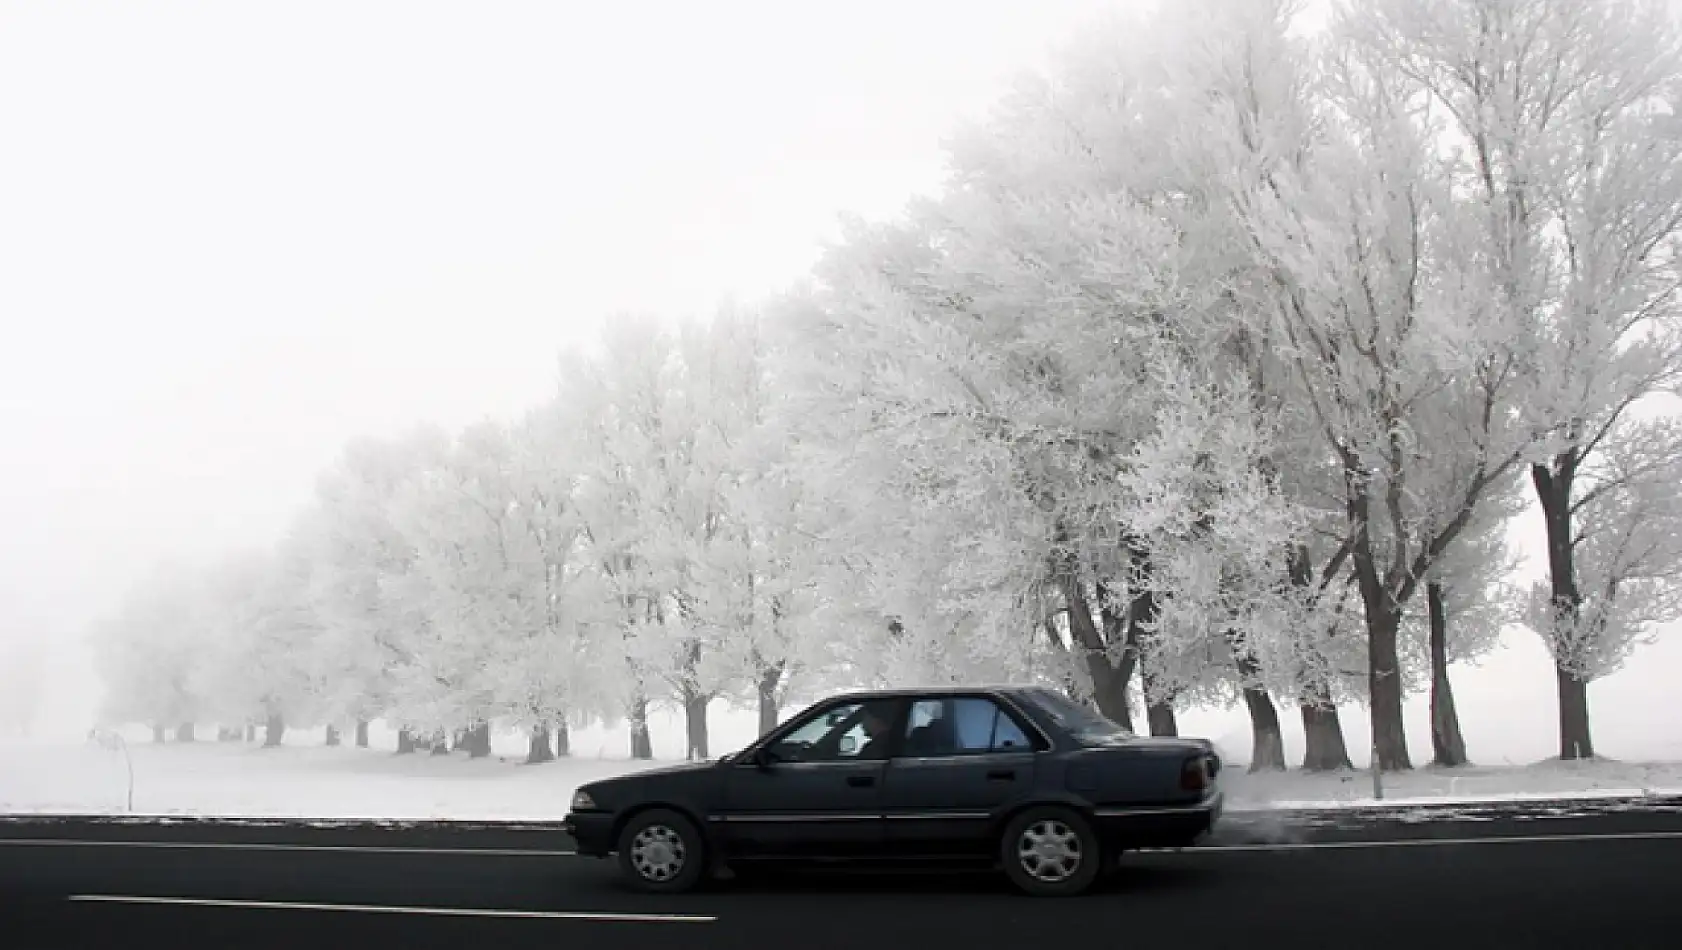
(581, 801)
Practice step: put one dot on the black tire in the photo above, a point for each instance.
(1069, 862)
(662, 852)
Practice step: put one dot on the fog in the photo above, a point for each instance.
(233, 236)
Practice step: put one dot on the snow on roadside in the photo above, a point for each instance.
(238, 780)
(1549, 779)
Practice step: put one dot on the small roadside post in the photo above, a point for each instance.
(113, 741)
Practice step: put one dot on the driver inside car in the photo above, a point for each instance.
(875, 727)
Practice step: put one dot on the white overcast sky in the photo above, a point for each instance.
(235, 234)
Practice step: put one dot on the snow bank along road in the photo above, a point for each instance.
(1601, 873)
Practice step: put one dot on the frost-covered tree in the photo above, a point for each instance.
(361, 562)
(149, 653)
(994, 377)
(1381, 304)
(1565, 128)
(558, 667)
(613, 405)
(1468, 603)
(747, 580)
(259, 630)
(471, 579)
(1626, 558)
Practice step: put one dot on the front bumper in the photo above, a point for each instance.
(591, 832)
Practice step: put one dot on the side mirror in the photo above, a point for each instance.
(763, 757)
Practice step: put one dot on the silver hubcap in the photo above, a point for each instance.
(1049, 851)
(658, 853)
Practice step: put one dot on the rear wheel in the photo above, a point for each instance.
(1051, 851)
(661, 851)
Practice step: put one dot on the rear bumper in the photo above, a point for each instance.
(1159, 826)
(591, 832)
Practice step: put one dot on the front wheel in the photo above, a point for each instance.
(1051, 851)
(661, 851)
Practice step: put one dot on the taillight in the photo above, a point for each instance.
(1194, 775)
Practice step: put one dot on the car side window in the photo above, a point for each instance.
(961, 726)
(1008, 736)
(852, 731)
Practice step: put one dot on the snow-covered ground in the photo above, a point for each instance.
(1506, 707)
(311, 781)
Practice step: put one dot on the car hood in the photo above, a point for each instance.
(664, 771)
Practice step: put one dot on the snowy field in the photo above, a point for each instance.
(1506, 705)
(305, 781)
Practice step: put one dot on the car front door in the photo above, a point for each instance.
(817, 793)
(962, 760)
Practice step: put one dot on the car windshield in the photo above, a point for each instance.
(1077, 719)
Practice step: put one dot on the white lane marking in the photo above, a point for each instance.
(605, 916)
(1429, 842)
(235, 846)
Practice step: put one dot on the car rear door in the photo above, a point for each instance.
(825, 805)
(963, 759)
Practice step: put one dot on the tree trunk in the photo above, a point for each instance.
(184, 732)
(1575, 742)
(158, 733)
(1267, 741)
(642, 744)
(478, 738)
(1323, 731)
(405, 742)
(1384, 685)
(1553, 490)
(1160, 717)
(1322, 727)
(362, 733)
(769, 679)
(770, 674)
(1448, 745)
(332, 735)
(250, 732)
(563, 737)
(1159, 702)
(539, 749)
(695, 726)
(1108, 679)
(274, 727)
(1123, 627)
(1384, 617)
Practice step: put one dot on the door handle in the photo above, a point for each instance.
(861, 781)
(1001, 775)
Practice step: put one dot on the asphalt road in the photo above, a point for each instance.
(1561, 874)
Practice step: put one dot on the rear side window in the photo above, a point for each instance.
(962, 726)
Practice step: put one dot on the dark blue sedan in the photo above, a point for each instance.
(1022, 778)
